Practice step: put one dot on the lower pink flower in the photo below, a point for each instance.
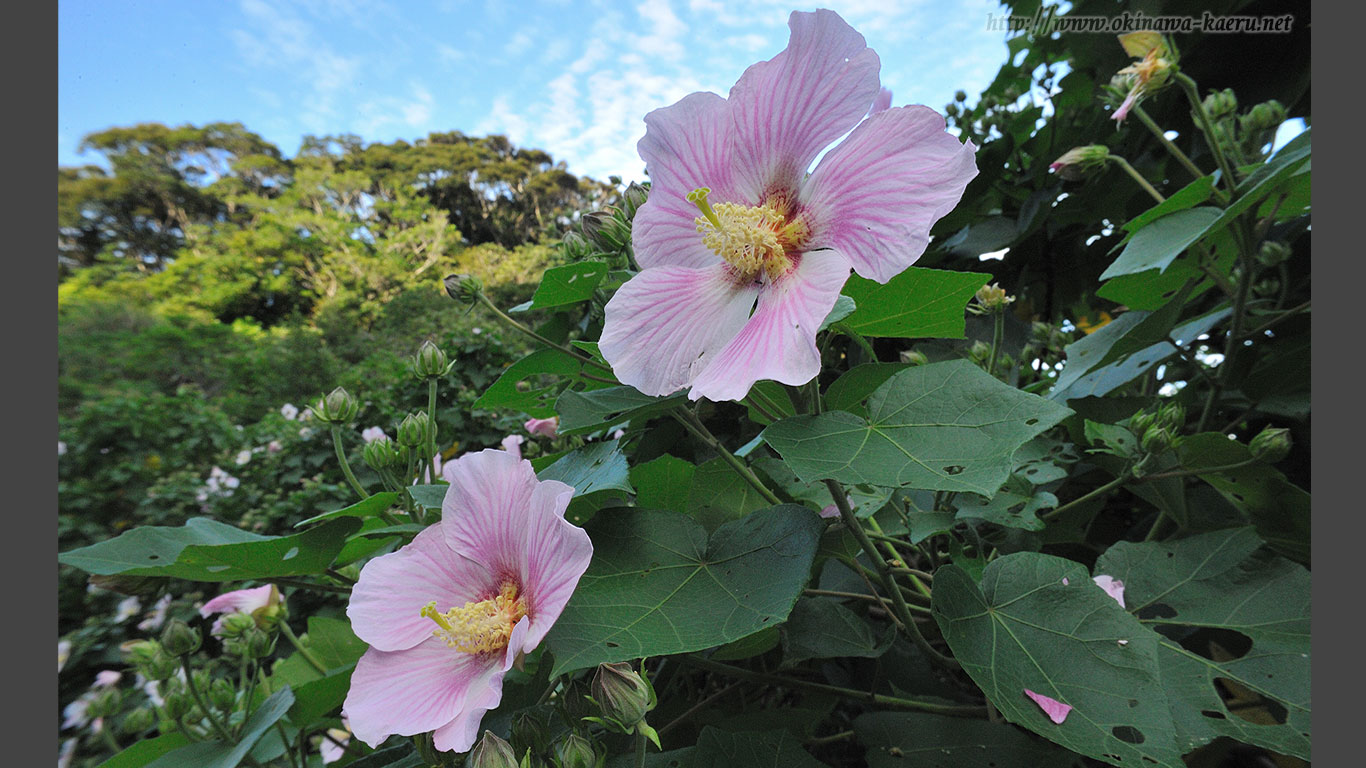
(240, 601)
(448, 615)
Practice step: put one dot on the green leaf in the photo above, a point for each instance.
(777, 395)
(856, 384)
(725, 749)
(1075, 383)
(567, 284)
(429, 496)
(207, 550)
(945, 426)
(990, 234)
(1189, 196)
(1220, 580)
(535, 401)
(145, 751)
(595, 467)
(663, 483)
(400, 756)
(719, 495)
(1026, 629)
(918, 303)
(1162, 240)
(822, 628)
(1113, 439)
(602, 409)
(924, 740)
(1007, 508)
(369, 507)
(748, 647)
(658, 585)
(218, 754)
(844, 306)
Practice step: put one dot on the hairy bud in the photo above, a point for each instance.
(338, 407)
(623, 695)
(415, 430)
(1271, 444)
(382, 454)
(463, 288)
(430, 362)
(1221, 104)
(1273, 253)
(577, 752)
(491, 752)
(179, 639)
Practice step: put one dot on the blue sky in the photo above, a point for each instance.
(573, 78)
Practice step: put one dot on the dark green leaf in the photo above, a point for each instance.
(923, 740)
(537, 402)
(856, 384)
(945, 426)
(822, 628)
(1189, 196)
(602, 409)
(663, 483)
(364, 508)
(844, 306)
(753, 749)
(1159, 243)
(658, 586)
(145, 751)
(595, 467)
(218, 754)
(429, 496)
(567, 284)
(918, 303)
(719, 495)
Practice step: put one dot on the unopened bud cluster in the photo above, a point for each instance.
(430, 362)
(338, 407)
(416, 430)
(465, 289)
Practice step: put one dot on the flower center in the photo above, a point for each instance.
(754, 239)
(479, 627)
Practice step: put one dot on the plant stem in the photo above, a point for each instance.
(888, 583)
(346, 465)
(699, 430)
(1192, 92)
(572, 352)
(753, 402)
(640, 749)
(1275, 321)
(1101, 491)
(895, 702)
(303, 651)
(1230, 345)
(1166, 142)
(997, 335)
(1202, 471)
(431, 440)
(1142, 182)
(757, 394)
(201, 701)
(109, 739)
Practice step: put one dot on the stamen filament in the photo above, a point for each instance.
(698, 197)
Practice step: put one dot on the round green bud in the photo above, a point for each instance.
(575, 752)
(960, 96)
(634, 197)
(106, 703)
(140, 653)
(623, 695)
(914, 357)
(163, 666)
(430, 362)
(235, 624)
(179, 639)
(979, 351)
(600, 228)
(382, 454)
(1271, 444)
(222, 695)
(138, 721)
(414, 430)
(575, 246)
(1273, 253)
(1139, 422)
(463, 288)
(258, 643)
(177, 705)
(1156, 439)
(491, 752)
(529, 732)
(1266, 116)
(338, 407)
(1221, 104)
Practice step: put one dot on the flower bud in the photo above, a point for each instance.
(1266, 116)
(960, 96)
(106, 703)
(623, 695)
(576, 752)
(258, 644)
(600, 227)
(529, 732)
(177, 705)
(575, 246)
(338, 407)
(1156, 439)
(426, 751)
(979, 352)
(491, 752)
(179, 639)
(1273, 253)
(163, 666)
(1271, 444)
(222, 695)
(634, 197)
(463, 288)
(138, 721)
(1221, 104)
(430, 362)
(913, 357)
(140, 653)
(1139, 422)
(414, 430)
(993, 297)
(235, 624)
(382, 454)
(1076, 162)
(1172, 416)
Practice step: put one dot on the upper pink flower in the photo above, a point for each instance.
(240, 601)
(733, 219)
(543, 427)
(448, 615)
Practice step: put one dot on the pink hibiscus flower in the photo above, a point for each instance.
(240, 601)
(735, 294)
(543, 427)
(449, 614)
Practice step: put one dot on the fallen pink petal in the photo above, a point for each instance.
(1056, 710)
(1112, 586)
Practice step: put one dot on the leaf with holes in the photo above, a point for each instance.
(916, 304)
(943, 427)
(658, 585)
(1027, 629)
(594, 467)
(1161, 240)
(567, 284)
(367, 507)
(923, 740)
(207, 550)
(1090, 380)
(724, 749)
(602, 409)
(1230, 614)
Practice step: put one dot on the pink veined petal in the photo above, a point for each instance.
(1112, 586)
(512, 444)
(789, 108)
(460, 733)
(882, 103)
(387, 601)
(876, 195)
(779, 340)
(415, 690)
(665, 323)
(483, 512)
(240, 601)
(1056, 710)
(557, 552)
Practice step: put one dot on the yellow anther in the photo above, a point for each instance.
(479, 627)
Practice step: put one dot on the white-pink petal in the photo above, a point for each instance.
(875, 197)
(386, 604)
(556, 553)
(483, 516)
(779, 341)
(543, 427)
(1056, 710)
(1112, 586)
(662, 327)
(241, 601)
(789, 108)
(416, 690)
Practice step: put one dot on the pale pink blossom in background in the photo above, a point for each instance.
(513, 445)
(61, 448)
(331, 750)
(274, 446)
(127, 608)
(372, 434)
(830, 511)
(108, 677)
(242, 457)
(1113, 587)
(67, 753)
(63, 653)
(153, 621)
(742, 253)
(543, 427)
(289, 411)
(240, 601)
(620, 433)
(74, 715)
(448, 615)
(1056, 710)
